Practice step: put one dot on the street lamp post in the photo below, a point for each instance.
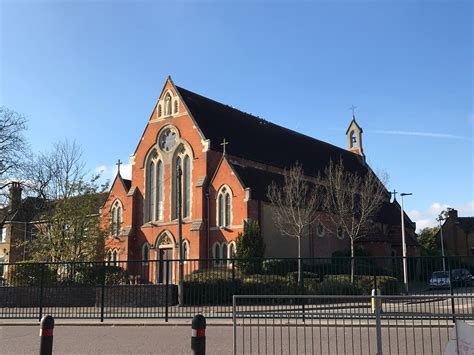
(440, 219)
(404, 244)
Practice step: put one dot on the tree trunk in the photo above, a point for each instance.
(352, 261)
(300, 278)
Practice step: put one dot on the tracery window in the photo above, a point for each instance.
(182, 161)
(176, 106)
(116, 218)
(224, 205)
(154, 188)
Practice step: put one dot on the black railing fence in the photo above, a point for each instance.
(150, 289)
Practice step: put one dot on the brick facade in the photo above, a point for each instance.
(210, 171)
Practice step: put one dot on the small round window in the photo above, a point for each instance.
(167, 140)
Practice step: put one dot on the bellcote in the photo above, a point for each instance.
(354, 138)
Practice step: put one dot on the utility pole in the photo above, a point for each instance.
(179, 176)
(404, 244)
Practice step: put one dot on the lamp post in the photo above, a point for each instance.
(404, 244)
(179, 174)
(440, 218)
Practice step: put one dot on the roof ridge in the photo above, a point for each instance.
(251, 116)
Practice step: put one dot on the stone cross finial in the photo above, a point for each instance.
(223, 144)
(118, 163)
(353, 110)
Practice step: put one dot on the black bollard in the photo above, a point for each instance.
(198, 336)
(46, 335)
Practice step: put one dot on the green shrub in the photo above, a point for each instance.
(386, 284)
(29, 274)
(293, 276)
(279, 266)
(250, 249)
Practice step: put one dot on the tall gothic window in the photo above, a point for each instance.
(116, 218)
(187, 187)
(184, 161)
(159, 191)
(176, 106)
(151, 191)
(224, 205)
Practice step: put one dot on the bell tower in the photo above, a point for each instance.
(354, 136)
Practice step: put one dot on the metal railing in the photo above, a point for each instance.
(149, 288)
(308, 324)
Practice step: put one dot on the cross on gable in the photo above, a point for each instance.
(118, 163)
(223, 144)
(353, 110)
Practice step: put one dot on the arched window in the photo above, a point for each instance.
(340, 232)
(187, 187)
(232, 250)
(182, 160)
(159, 191)
(116, 218)
(224, 253)
(151, 191)
(220, 210)
(109, 258)
(176, 106)
(115, 257)
(224, 207)
(145, 253)
(185, 250)
(168, 105)
(160, 112)
(216, 253)
(320, 231)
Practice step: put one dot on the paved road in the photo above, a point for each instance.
(113, 340)
(160, 339)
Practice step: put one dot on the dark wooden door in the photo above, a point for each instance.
(164, 266)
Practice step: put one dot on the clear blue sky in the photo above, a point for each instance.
(91, 71)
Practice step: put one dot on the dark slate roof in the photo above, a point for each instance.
(466, 223)
(389, 213)
(257, 179)
(256, 139)
(127, 183)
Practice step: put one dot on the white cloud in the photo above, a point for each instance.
(422, 134)
(427, 218)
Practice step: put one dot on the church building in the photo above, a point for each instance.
(227, 158)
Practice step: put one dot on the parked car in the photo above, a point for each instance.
(439, 279)
(461, 277)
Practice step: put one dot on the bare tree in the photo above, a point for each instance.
(70, 227)
(352, 200)
(295, 203)
(12, 142)
(13, 147)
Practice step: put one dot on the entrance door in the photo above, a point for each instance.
(164, 255)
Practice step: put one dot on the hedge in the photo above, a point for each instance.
(387, 285)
